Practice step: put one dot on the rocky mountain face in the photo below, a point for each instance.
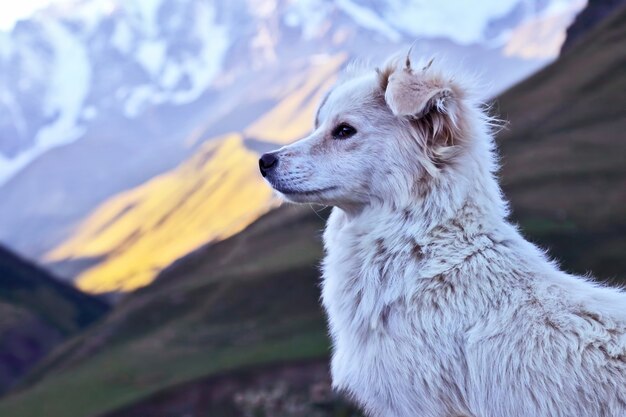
(100, 96)
(36, 314)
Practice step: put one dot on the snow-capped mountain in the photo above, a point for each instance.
(97, 96)
(64, 67)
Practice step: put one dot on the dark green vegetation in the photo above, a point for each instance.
(36, 314)
(294, 389)
(564, 153)
(251, 301)
(595, 12)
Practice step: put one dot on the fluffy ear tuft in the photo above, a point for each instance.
(434, 105)
(414, 94)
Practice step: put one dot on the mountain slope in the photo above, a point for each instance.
(216, 193)
(595, 12)
(145, 229)
(36, 314)
(99, 96)
(24, 339)
(564, 153)
(248, 300)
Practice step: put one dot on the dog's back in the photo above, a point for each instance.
(554, 345)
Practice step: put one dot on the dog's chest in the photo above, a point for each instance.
(364, 280)
(392, 327)
(365, 295)
(369, 355)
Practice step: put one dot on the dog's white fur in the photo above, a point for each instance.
(437, 306)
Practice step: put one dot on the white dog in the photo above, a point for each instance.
(437, 305)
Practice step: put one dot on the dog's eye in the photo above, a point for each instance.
(343, 131)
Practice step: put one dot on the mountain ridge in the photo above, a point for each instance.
(37, 312)
(134, 88)
(579, 120)
(125, 242)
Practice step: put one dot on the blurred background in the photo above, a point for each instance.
(147, 270)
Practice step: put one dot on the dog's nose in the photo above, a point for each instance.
(267, 162)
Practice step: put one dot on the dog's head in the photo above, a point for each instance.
(381, 135)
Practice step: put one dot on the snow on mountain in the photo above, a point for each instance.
(68, 87)
(542, 36)
(180, 48)
(173, 68)
(465, 23)
(458, 20)
(368, 19)
(98, 96)
(308, 15)
(166, 75)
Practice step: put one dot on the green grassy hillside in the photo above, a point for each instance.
(248, 300)
(252, 299)
(564, 153)
(36, 313)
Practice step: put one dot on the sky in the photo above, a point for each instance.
(12, 11)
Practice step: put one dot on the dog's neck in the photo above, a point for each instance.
(381, 251)
(473, 204)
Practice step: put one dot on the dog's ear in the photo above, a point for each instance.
(431, 102)
(415, 93)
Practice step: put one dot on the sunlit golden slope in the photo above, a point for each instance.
(213, 195)
(542, 36)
